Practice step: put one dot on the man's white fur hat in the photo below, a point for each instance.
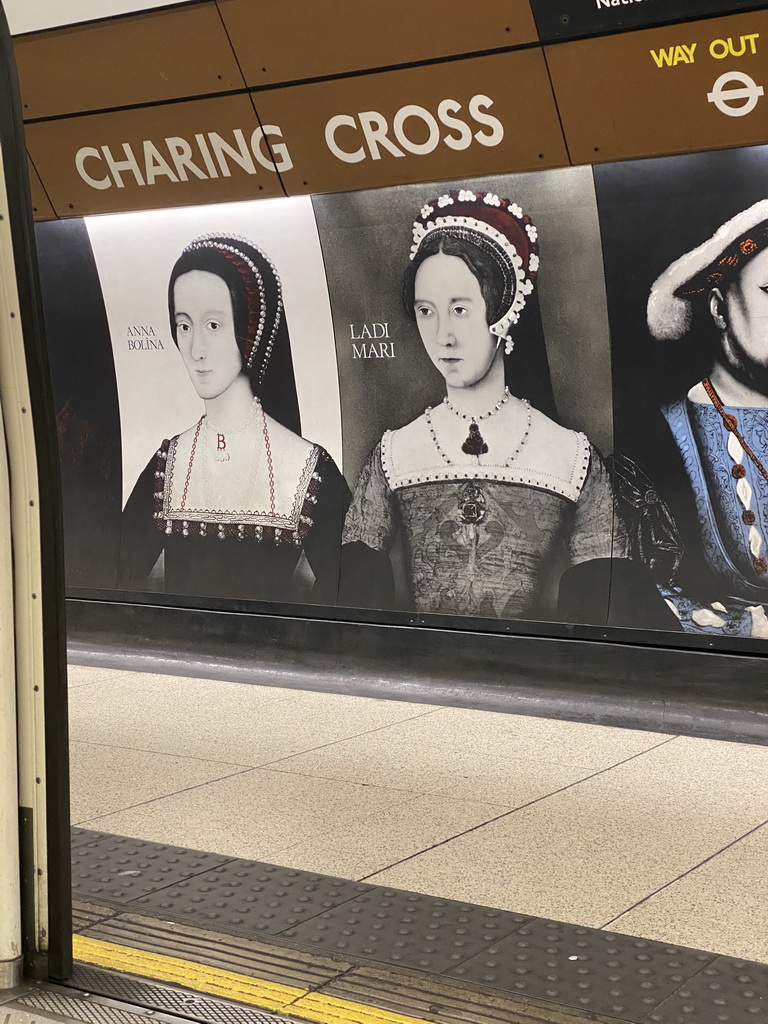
(711, 265)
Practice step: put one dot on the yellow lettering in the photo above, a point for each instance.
(663, 58)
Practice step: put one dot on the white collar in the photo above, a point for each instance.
(554, 459)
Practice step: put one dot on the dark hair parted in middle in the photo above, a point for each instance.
(482, 265)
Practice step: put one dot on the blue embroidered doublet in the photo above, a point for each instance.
(730, 545)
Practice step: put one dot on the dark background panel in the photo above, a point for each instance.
(569, 19)
(86, 403)
(561, 360)
(653, 212)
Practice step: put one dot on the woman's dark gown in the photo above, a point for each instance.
(235, 555)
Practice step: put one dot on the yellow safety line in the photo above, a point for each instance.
(312, 1006)
(199, 977)
(327, 1010)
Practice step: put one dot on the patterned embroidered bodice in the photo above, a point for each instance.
(488, 541)
(745, 542)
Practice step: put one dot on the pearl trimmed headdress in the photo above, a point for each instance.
(500, 228)
(263, 321)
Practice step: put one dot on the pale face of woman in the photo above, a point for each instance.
(205, 332)
(451, 316)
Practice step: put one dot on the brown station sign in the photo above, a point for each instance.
(125, 62)
(478, 116)
(177, 154)
(469, 117)
(338, 36)
(41, 206)
(697, 86)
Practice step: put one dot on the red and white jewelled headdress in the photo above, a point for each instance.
(499, 227)
(263, 291)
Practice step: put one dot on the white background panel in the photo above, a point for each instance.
(35, 15)
(134, 254)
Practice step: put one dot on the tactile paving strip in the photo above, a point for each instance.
(252, 897)
(175, 1001)
(407, 929)
(79, 836)
(598, 971)
(252, 957)
(120, 869)
(725, 992)
(573, 970)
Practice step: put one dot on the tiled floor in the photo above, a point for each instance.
(657, 836)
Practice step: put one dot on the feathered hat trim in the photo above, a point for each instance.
(714, 264)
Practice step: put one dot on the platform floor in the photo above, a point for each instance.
(650, 835)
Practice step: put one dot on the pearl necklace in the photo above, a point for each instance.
(486, 415)
(206, 484)
(515, 453)
(222, 455)
(475, 443)
(739, 472)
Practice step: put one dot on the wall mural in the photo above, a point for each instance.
(687, 271)
(525, 397)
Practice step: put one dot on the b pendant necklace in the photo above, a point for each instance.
(222, 455)
(202, 425)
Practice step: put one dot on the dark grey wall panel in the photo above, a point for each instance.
(620, 684)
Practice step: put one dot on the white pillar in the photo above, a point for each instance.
(10, 906)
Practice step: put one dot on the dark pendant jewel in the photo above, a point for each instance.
(738, 472)
(471, 504)
(761, 566)
(748, 517)
(475, 443)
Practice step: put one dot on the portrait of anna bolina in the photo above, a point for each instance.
(239, 501)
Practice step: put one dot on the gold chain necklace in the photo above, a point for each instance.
(732, 424)
(738, 471)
